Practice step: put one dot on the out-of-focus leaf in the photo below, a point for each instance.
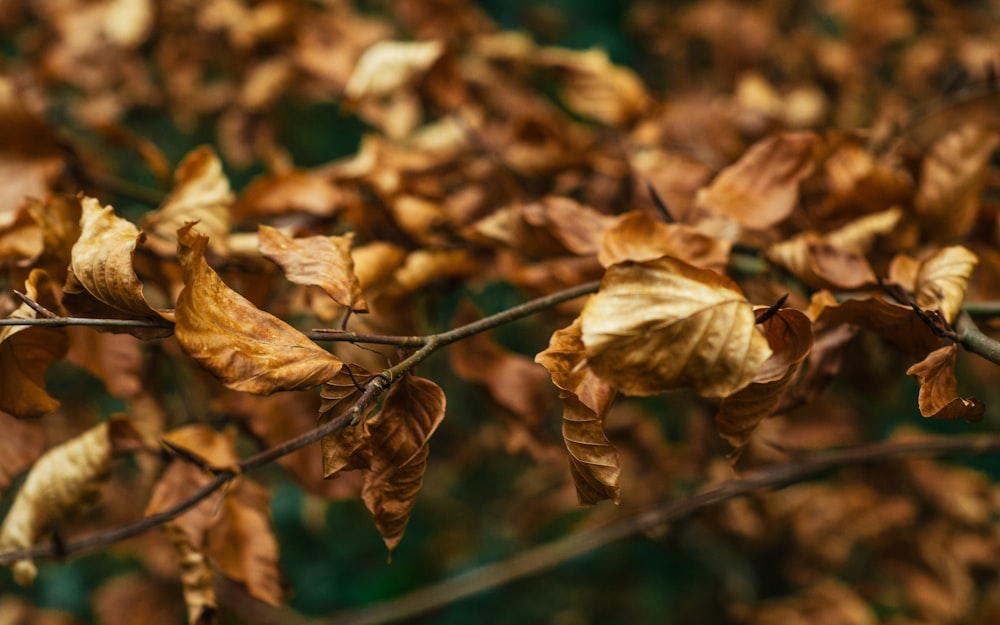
(348, 448)
(828, 602)
(938, 398)
(553, 226)
(115, 359)
(26, 353)
(895, 322)
(21, 444)
(637, 236)
(591, 85)
(101, 269)
(296, 191)
(593, 459)
(951, 180)
(64, 480)
(762, 188)
(246, 348)
(136, 598)
(942, 279)
(316, 261)
(59, 221)
(216, 451)
(662, 324)
(411, 411)
(789, 335)
(196, 579)
(201, 193)
(389, 66)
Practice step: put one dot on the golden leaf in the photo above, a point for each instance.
(201, 193)
(789, 335)
(248, 349)
(389, 66)
(637, 236)
(938, 398)
(762, 188)
(942, 279)
(662, 324)
(411, 411)
(586, 397)
(26, 353)
(952, 176)
(316, 261)
(65, 479)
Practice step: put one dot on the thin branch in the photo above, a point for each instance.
(544, 557)
(344, 336)
(974, 340)
(59, 322)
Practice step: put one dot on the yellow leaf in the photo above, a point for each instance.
(389, 66)
(65, 479)
(201, 193)
(316, 261)
(593, 459)
(762, 188)
(951, 179)
(26, 353)
(662, 324)
(412, 410)
(246, 348)
(938, 398)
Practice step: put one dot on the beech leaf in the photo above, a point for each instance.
(942, 279)
(65, 479)
(347, 448)
(196, 578)
(938, 398)
(593, 459)
(413, 408)
(248, 349)
(316, 261)
(637, 236)
(662, 324)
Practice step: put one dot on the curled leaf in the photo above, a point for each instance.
(942, 279)
(412, 410)
(662, 324)
(26, 353)
(65, 479)
(316, 261)
(248, 349)
(938, 398)
(586, 397)
(895, 322)
(637, 236)
(349, 447)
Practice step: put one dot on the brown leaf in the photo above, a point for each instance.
(938, 397)
(553, 226)
(65, 479)
(411, 411)
(637, 236)
(789, 335)
(196, 578)
(21, 444)
(951, 179)
(348, 448)
(201, 193)
(586, 398)
(246, 348)
(942, 279)
(390, 66)
(895, 322)
(213, 450)
(296, 191)
(316, 261)
(762, 188)
(662, 324)
(26, 353)
(115, 359)
(136, 598)
(592, 86)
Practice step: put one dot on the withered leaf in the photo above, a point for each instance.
(789, 335)
(196, 578)
(586, 398)
(316, 261)
(662, 324)
(348, 448)
(21, 444)
(938, 398)
(413, 408)
(593, 86)
(65, 479)
(201, 193)
(637, 236)
(895, 322)
(942, 279)
(951, 179)
(762, 188)
(248, 349)
(389, 66)
(26, 353)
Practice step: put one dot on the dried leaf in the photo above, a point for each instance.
(895, 322)
(789, 335)
(196, 579)
(411, 411)
(348, 448)
(296, 191)
(593, 86)
(637, 236)
(201, 193)
(660, 325)
(762, 188)
(246, 348)
(951, 179)
(65, 479)
(942, 279)
(316, 261)
(586, 398)
(26, 353)
(210, 449)
(938, 397)
(21, 444)
(115, 359)
(390, 66)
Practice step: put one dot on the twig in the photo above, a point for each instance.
(552, 554)
(59, 322)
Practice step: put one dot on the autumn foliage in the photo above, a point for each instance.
(728, 259)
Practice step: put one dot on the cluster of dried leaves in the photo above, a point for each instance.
(775, 165)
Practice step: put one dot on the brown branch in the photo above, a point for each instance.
(544, 557)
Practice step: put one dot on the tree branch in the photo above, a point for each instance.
(544, 557)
